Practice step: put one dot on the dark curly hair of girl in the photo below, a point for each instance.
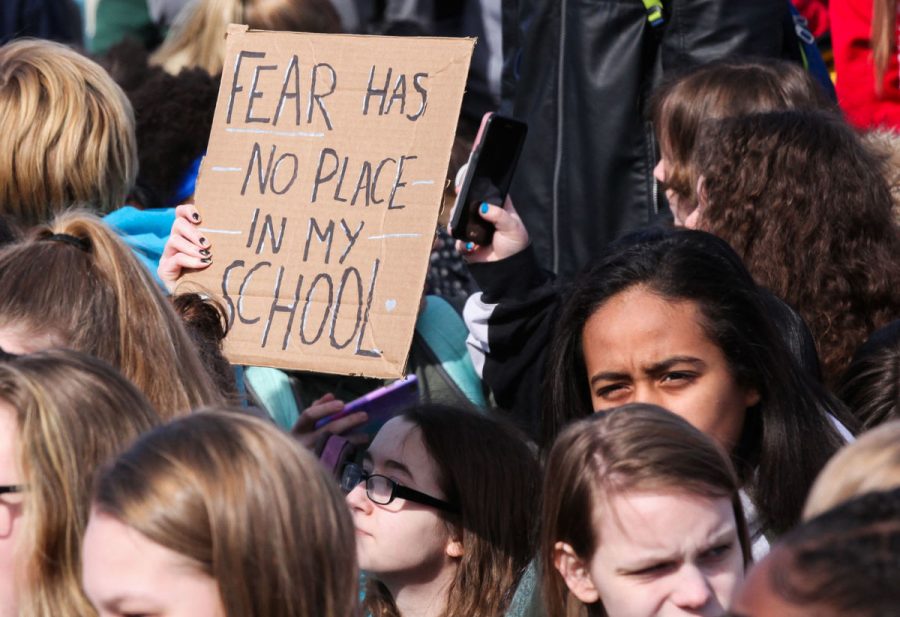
(806, 206)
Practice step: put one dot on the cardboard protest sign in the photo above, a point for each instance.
(320, 193)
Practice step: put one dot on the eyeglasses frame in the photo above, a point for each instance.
(397, 491)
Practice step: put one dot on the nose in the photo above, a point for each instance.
(659, 172)
(647, 393)
(692, 590)
(357, 499)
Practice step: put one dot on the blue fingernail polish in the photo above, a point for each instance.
(470, 246)
(484, 207)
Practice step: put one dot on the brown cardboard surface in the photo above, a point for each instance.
(320, 195)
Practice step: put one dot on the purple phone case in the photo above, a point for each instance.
(381, 405)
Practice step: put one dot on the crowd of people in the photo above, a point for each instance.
(693, 411)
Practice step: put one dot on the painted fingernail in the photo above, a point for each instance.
(206, 260)
(195, 216)
(203, 241)
(204, 252)
(470, 246)
(484, 207)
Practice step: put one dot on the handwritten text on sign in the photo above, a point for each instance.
(320, 193)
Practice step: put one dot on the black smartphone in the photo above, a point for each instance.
(488, 176)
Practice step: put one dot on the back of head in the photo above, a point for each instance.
(870, 386)
(806, 206)
(633, 447)
(244, 502)
(68, 133)
(843, 562)
(870, 464)
(722, 90)
(75, 284)
(197, 39)
(73, 413)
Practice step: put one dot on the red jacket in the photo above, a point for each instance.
(851, 24)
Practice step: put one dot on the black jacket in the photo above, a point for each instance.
(579, 72)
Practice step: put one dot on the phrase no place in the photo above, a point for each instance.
(339, 178)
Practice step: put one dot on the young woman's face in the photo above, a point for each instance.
(11, 509)
(641, 348)
(402, 542)
(663, 553)
(125, 573)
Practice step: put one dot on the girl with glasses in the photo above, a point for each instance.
(62, 414)
(443, 504)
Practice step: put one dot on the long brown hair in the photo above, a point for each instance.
(488, 469)
(73, 413)
(806, 206)
(636, 446)
(884, 37)
(248, 505)
(720, 90)
(77, 280)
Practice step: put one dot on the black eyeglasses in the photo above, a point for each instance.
(382, 490)
(12, 488)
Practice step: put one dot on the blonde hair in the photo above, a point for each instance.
(68, 133)
(636, 446)
(75, 279)
(872, 463)
(250, 506)
(73, 413)
(197, 40)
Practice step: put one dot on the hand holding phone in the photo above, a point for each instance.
(380, 405)
(488, 177)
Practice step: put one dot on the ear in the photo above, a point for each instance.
(751, 397)
(454, 548)
(575, 572)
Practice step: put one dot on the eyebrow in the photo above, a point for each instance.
(389, 464)
(718, 536)
(653, 369)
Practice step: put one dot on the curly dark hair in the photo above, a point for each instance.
(844, 562)
(806, 206)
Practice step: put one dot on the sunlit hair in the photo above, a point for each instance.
(807, 208)
(486, 468)
(197, 39)
(720, 90)
(68, 133)
(870, 464)
(84, 289)
(73, 413)
(786, 438)
(248, 505)
(635, 447)
(844, 561)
